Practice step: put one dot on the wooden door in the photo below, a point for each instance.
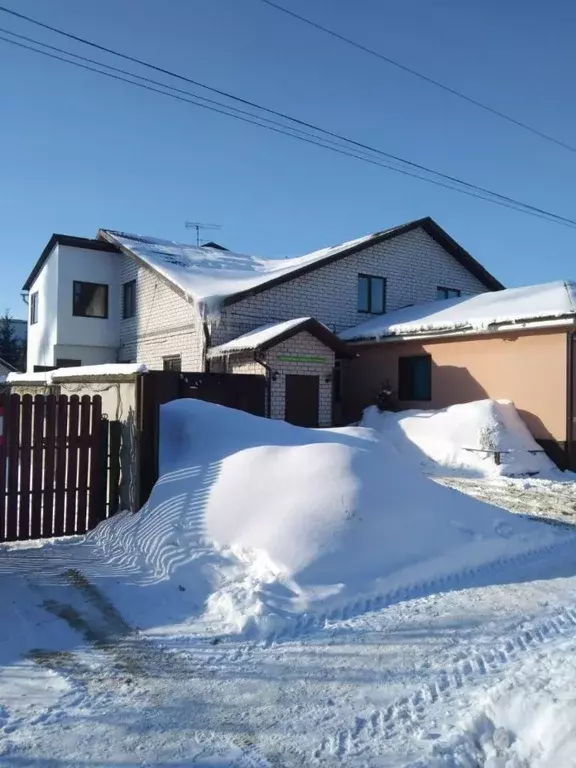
(302, 399)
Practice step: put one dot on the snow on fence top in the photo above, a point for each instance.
(210, 275)
(84, 371)
(547, 301)
(256, 338)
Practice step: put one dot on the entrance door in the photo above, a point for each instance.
(301, 403)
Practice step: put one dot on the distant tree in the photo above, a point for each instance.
(10, 346)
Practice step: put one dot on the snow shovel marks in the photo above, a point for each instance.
(406, 716)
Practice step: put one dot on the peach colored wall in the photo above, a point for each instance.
(527, 368)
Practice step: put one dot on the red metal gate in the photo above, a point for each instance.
(59, 467)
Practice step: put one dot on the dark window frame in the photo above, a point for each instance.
(76, 313)
(34, 308)
(456, 293)
(168, 360)
(370, 278)
(68, 362)
(406, 379)
(129, 306)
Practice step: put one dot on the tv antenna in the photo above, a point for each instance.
(198, 225)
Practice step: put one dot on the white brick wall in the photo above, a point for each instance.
(164, 323)
(414, 265)
(302, 344)
(245, 364)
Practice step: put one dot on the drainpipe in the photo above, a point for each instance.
(270, 375)
(205, 360)
(571, 336)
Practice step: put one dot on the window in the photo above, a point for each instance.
(447, 293)
(90, 300)
(66, 362)
(129, 299)
(34, 308)
(415, 378)
(371, 294)
(172, 363)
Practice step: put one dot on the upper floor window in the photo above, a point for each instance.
(34, 308)
(447, 293)
(371, 294)
(172, 363)
(129, 299)
(90, 299)
(415, 377)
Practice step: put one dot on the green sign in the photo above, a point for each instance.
(301, 359)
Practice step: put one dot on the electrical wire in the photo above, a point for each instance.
(420, 75)
(287, 130)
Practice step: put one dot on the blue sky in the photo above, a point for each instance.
(78, 151)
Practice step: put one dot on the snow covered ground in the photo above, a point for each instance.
(180, 638)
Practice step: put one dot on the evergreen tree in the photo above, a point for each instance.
(10, 347)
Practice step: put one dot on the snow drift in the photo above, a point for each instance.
(255, 522)
(463, 438)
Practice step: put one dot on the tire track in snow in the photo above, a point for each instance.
(403, 716)
(307, 623)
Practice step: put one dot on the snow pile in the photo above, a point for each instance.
(257, 522)
(209, 275)
(464, 438)
(528, 719)
(476, 313)
(112, 370)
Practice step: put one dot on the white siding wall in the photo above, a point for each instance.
(414, 265)
(164, 323)
(43, 334)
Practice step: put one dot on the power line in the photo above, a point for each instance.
(287, 130)
(420, 75)
(283, 116)
(276, 113)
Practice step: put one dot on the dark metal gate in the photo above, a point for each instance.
(246, 392)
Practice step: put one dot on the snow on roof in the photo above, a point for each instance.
(209, 275)
(256, 338)
(84, 371)
(513, 305)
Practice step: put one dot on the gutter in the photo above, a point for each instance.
(269, 379)
(504, 328)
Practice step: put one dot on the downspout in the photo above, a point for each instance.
(571, 336)
(269, 379)
(205, 360)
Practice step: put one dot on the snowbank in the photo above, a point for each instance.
(258, 521)
(529, 719)
(454, 438)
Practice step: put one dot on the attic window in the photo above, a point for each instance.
(447, 293)
(371, 294)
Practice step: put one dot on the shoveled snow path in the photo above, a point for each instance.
(376, 689)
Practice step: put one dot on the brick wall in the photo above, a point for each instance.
(164, 323)
(301, 344)
(414, 265)
(244, 364)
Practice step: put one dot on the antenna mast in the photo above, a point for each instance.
(198, 225)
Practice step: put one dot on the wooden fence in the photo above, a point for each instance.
(59, 465)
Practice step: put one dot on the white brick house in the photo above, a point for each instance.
(125, 298)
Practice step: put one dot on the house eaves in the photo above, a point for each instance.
(428, 224)
(69, 240)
